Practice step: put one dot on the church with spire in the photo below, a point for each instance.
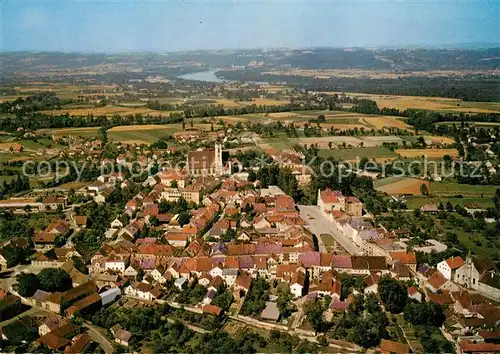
(205, 162)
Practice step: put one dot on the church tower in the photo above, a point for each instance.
(218, 159)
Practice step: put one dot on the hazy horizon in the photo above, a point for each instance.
(173, 26)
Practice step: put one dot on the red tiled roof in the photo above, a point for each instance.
(80, 220)
(44, 237)
(455, 262)
(412, 290)
(436, 280)
(441, 299)
(329, 196)
(212, 310)
(244, 281)
(341, 262)
(469, 347)
(404, 257)
(389, 346)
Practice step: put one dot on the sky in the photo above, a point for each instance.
(178, 25)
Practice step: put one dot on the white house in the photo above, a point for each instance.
(116, 263)
(180, 282)
(141, 290)
(449, 266)
(297, 283)
(216, 271)
(229, 276)
(157, 276)
(116, 224)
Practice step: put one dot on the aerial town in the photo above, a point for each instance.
(339, 197)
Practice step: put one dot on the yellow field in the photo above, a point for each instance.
(338, 126)
(428, 103)
(7, 146)
(379, 74)
(172, 127)
(107, 110)
(430, 153)
(87, 131)
(440, 139)
(257, 101)
(269, 102)
(386, 122)
(73, 185)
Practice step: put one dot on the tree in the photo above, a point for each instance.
(449, 207)
(423, 189)
(223, 299)
(427, 314)
(357, 305)
(183, 218)
(314, 312)
(54, 279)
(393, 294)
(496, 202)
(27, 284)
(103, 135)
(252, 176)
(283, 302)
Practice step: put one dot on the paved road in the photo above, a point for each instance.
(319, 224)
(99, 338)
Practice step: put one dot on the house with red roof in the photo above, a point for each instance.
(409, 259)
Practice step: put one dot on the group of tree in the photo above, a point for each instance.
(49, 279)
(16, 185)
(255, 299)
(365, 323)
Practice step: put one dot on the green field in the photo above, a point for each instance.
(417, 202)
(449, 189)
(385, 181)
(354, 153)
(87, 132)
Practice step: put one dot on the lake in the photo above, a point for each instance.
(207, 76)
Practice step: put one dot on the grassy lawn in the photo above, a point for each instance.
(443, 189)
(328, 240)
(6, 178)
(5, 157)
(354, 153)
(73, 185)
(280, 142)
(386, 181)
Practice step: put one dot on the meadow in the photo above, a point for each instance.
(450, 189)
